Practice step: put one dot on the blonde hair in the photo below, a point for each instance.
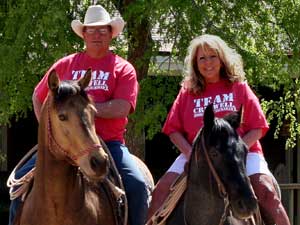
(232, 63)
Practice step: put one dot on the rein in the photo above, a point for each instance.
(72, 158)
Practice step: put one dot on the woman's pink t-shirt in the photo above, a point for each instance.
(186, 114)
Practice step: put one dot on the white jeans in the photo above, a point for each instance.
(255, 163)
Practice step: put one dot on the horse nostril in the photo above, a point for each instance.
(94, 163)
(99, 165)
(241, 205)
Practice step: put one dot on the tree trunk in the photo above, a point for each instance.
(140, 44)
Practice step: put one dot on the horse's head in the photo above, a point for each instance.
(70, 126)
(227, 153)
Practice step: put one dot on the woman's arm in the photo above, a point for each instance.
(252, 136)
(181, 143)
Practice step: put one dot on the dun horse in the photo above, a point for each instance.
(217, 182)
(71, 162)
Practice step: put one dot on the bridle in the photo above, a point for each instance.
(71, 158)
(222, 190)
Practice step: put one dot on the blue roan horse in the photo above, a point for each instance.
(217, 181)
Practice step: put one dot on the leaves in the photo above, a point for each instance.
(35, 33)
(157, 94)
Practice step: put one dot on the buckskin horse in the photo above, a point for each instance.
(72, 163)
(217, 183)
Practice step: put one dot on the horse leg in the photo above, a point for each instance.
(269, 201)
(161, 192)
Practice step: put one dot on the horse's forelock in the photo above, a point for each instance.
(67, 89)
(221, 125)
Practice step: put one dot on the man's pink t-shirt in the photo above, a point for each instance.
(112, 78)
(186, 114)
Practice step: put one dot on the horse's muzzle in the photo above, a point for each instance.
(99, 164)
(244, 208)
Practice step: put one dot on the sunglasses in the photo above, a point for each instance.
(93, 30)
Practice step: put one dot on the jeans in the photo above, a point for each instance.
(14, 205)
(133, 180)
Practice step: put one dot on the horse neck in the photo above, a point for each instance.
(202, 202)
(52, 176)
(200, 177)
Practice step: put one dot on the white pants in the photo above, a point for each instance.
(255, 163)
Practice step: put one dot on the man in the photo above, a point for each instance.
(113, 88)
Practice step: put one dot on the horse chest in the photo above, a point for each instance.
(87, 207)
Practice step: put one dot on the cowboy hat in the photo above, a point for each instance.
(96, 15)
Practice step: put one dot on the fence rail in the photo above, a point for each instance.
(293, 207)
(291, 186)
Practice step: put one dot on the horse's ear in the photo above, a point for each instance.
(235, 118)
(53, 81)
(209, 117)
(84, 81)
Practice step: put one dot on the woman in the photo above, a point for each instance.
(214, 74)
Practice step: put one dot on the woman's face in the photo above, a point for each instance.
(209, 64)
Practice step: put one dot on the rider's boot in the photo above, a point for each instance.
(271, 208)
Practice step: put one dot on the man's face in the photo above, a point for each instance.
(97, 37)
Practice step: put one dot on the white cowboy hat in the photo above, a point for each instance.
(96, 15)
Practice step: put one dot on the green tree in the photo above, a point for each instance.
(35, 33)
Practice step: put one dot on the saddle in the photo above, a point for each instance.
(112, 185)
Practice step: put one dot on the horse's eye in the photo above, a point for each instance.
(62, 117)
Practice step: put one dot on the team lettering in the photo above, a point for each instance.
(222, 102)
(98, 80)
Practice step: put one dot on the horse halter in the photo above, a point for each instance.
(71, 158)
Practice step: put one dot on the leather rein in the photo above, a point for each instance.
(71, 158)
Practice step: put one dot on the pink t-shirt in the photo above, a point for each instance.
(112, 78)
(186, 114)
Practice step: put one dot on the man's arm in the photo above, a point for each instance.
(115, 108)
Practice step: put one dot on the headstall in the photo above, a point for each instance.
(72, 158)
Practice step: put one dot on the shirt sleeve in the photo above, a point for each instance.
(127, 85)
(41, 89)
(174, 119)
(253, 116)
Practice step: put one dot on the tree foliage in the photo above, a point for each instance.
(35, 33)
